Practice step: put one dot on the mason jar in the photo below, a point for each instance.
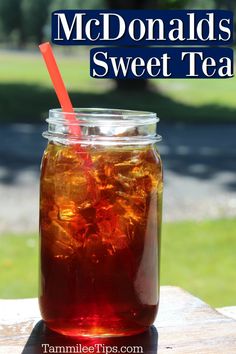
(100, 221)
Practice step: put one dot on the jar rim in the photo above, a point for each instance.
(103, 126)
(101, 116)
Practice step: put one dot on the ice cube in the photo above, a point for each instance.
(58, 241)
(106, 219)
(72, 186)
(126, 166)
(119, 239)
(66, 209)
(94, 248)
(143, 185)
(134, 207)
(67, 159)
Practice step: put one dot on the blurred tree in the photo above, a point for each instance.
(171, 4)
(11, 19)
(34, 14)
(29, 17)
(65, 4)
(77, 4)
(201, 4)
(225, 4)
(146, 4)
(229, 5)
(141, 84)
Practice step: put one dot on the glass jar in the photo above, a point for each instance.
(100, 221)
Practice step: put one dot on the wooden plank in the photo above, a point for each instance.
(185, 324)
(229, 311)
(188, 325)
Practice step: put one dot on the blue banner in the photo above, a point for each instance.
(142, 27)
(137, 63)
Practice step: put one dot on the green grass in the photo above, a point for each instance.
(19, 266)
(198, 256)
(26, 92)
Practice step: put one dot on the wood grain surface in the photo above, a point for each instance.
(184, 325)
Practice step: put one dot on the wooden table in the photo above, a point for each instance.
(185, 324)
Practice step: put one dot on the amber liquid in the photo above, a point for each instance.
(100, 222)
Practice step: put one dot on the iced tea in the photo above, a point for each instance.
(100, 227)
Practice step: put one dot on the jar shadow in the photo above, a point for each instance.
(43, 340)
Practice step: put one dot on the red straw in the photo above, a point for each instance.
(59, 86)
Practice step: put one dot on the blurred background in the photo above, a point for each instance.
(198, 125)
